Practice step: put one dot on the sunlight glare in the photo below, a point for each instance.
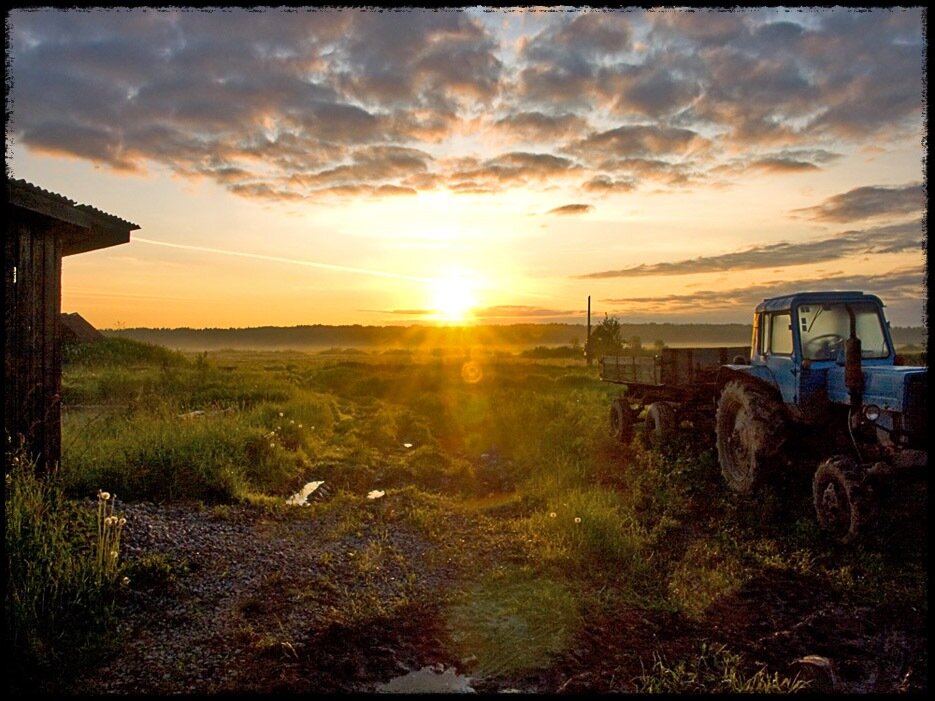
(453, 296)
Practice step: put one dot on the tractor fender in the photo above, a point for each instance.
(753, 375)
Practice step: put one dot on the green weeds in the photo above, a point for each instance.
(715, 670)
(61, 581)
(513, 621)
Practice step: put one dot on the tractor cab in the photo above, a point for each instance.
(799, 342)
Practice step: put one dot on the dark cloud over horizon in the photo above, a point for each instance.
(894, 238)
(571, 209)
(868, 203)
(901, 288)
(307, 104)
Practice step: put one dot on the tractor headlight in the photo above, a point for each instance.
(871, 412)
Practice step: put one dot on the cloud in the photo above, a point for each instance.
(651, 169)
(275, 103)
(784, 162)
(404, 312)
(571, 209)
(537, 126)
(885, 239)
(604, 184)
(369, 164)
(636, 141)
(561, 64)
(513, 168)
(283, 101)
(519, 311)
(868, 203)
(501, 311)
(901, 286)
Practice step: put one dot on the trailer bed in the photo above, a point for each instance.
(673, 367)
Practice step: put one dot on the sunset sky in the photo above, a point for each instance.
(355, 166)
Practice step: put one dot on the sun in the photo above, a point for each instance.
(453, 297)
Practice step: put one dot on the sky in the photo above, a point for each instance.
(354, 166)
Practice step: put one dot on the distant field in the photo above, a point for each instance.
(505, 339)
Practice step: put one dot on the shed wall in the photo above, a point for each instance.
(31, 347)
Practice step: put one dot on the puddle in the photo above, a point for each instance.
(301, 498)
(435, 679)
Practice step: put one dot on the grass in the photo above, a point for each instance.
(569, 521)
(62, 575)
(513, 621)
(714, 670)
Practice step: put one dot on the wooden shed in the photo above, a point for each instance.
(41, 228)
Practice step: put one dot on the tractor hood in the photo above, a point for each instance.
(890, 387)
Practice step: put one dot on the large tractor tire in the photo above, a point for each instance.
(622, 418)
(751, 430)
(661, 422)
(844, 500)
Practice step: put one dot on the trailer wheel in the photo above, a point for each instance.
(621, 420)
(843, 498)
(661, 422)
(750, 428)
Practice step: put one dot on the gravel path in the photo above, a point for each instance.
(257, 587)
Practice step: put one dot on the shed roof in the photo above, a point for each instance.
(83, 227)
(76, 328)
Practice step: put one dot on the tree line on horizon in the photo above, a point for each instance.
(417, 336)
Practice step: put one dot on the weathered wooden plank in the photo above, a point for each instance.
(11, 336)
(53, 348)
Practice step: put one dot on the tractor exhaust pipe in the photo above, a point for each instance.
(853, 378)
(853, 374)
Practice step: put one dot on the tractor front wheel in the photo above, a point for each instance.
(843, 498)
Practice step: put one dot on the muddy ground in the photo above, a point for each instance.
(243, 600)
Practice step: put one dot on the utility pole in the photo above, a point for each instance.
(587, 345)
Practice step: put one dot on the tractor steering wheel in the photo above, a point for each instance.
(823, 347)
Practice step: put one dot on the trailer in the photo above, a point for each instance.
(673, 386)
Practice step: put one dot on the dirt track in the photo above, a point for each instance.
(272, 604)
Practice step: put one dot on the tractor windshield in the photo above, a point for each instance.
(824, 327)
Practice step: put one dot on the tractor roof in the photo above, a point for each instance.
(785, 302)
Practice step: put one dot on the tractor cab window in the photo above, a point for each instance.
(780, 334)
(823, 329)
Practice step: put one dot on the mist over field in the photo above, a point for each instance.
(502, 338)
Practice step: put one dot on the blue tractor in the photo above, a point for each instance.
(822, 377)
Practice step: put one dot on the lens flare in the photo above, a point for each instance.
(471, 372)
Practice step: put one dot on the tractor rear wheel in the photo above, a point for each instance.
(751, 429)
(843, 498)
(621, 420)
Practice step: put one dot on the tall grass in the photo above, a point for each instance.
(60, 580)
